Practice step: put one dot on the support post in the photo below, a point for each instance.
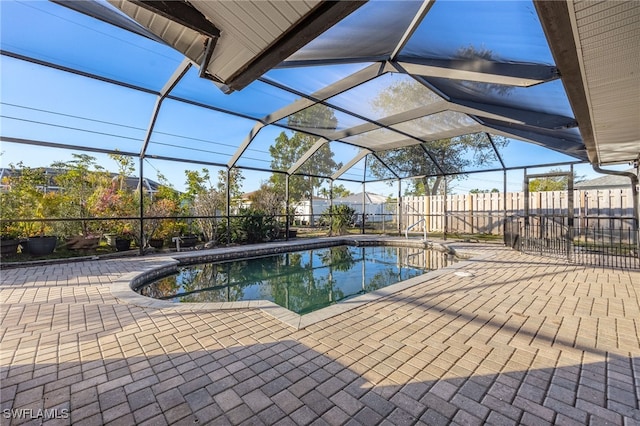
(570, 213)
(526, 198)
(471, 211)
(228, 209)
(364, 206)
(504, 202)
(364, 196)
(427, 215)
(330, 207)
(286, 207)
(445, 210)
(141, 211)
(399, 206)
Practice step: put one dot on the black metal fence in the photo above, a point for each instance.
(615, 243)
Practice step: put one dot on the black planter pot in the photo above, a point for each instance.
(9, 247)
(188, 240)
(42, 246)
(123, 244)
(156, 243)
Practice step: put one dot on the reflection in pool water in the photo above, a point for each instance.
(302, 281)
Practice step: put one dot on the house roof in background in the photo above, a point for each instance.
(606, 181)
(131, 182)
(370, 198)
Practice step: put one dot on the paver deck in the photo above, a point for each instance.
(504, 338)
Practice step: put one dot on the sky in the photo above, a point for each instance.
(50, 105)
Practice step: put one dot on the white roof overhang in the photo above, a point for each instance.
(235, 42)
(586, 38)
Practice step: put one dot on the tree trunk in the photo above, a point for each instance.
(436, 185)
(433, 189)
(425, 185)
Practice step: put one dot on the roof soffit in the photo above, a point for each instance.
(254, 37)
(587, 39)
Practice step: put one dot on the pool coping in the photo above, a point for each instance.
(167, 264)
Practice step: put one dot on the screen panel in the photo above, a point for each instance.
(50, 105)
(53, 33)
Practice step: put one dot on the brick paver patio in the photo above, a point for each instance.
(503, 339)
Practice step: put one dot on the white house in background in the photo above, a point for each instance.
(374, 206)
(302, 210)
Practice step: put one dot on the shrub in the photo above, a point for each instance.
(253, 226)
(341, 217)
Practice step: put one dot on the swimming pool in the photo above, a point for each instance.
(300, 281)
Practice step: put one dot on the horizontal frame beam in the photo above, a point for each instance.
(482, 70)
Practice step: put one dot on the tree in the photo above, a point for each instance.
(199, 182)
(235, 185)
(205, 198)
(126, 168)
(339, 191)
(27, 197)
(552, 183)
(290, 148)
(452, 155)
(419, 186)
(268, 200)
(81, 180)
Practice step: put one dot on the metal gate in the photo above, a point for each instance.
(550, 235)
(615, 245)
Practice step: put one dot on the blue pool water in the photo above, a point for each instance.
(302, 281)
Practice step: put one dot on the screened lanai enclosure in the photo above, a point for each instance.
(306, 99)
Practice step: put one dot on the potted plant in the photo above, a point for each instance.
(28, 197)
(156, 228)
(120, 203)
(206, 200)
(113, 205)
(79, 181)
(123, 242)
(9, 231)
(160, 210)
(9, 240)
(124, 234)
(43, 243)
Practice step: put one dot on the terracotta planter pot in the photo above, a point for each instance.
(82, 243)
